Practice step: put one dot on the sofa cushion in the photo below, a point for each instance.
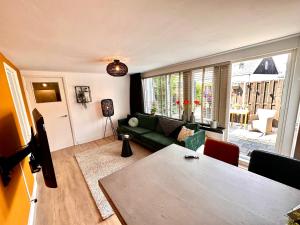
(147, 121)
(134, 130)
(168, 125)
(175, 133)
(158, 138)
(184, 133)
(133, 122)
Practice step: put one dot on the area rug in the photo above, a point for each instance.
(102, 161)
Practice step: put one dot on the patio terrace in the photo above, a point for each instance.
(251, 140)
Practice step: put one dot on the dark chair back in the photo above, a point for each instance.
(276, 167)
(221, 150)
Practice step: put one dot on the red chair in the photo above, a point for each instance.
(221, 150)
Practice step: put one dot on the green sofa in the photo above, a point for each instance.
(151, 132)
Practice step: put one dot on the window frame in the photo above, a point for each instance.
(165, 104)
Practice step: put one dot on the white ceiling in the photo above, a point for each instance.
(75, 35)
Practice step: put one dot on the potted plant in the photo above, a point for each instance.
(153, 108)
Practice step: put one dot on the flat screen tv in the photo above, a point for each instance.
(42, 150)
(40, 157)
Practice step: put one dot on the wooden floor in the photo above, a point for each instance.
(71, 203)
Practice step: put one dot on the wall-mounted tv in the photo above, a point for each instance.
(40, 157)
(42, 150)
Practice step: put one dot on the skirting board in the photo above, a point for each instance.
(31, 217)
(97, 137)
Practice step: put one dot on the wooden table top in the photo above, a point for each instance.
(164, 188)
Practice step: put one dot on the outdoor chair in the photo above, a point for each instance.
(221, 150)
(276, 167)
(263, 120)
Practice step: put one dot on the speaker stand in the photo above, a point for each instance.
(112, 127)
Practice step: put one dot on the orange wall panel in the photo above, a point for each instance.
(14, 200)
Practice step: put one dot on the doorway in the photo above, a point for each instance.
(48, 96)
(255, 103)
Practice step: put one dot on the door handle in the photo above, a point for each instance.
(64, 116)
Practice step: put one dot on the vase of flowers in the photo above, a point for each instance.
(185, 115)
(195, 105)
(188, 107)
(192, 117)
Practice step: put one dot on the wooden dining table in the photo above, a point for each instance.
(167, 189)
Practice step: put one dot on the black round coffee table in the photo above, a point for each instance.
(126, 149)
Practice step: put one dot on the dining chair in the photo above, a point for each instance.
(276, 167)
(221, 150)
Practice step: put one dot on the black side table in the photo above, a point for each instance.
(126, 149)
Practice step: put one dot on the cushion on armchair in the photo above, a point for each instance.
(264, 114)
(264, 121)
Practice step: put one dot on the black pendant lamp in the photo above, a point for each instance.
(117, 69)
(267, 66)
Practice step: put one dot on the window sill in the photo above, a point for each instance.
(207, 127)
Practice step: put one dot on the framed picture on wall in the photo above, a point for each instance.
(83, 94)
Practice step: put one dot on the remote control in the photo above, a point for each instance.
(191, 157)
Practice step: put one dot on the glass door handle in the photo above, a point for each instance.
(64, 116)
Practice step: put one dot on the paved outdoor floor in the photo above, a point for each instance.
(251, 140)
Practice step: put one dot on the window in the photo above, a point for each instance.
(176, 94)
(15, 90)
(161, 94)
(46, 92)
(203, 91)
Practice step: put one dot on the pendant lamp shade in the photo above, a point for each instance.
(117, 68)
(267, 66)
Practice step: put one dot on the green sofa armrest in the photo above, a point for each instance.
(122, 122)
(195, 141)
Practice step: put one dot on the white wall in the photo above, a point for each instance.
(88, 124)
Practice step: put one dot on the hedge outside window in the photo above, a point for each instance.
(203, 90)
(161, 94)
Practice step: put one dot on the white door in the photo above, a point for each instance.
(48, 96)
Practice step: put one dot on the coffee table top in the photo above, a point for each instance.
(164, 188)
(126, 136)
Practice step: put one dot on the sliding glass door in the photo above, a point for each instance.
(256, 92)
